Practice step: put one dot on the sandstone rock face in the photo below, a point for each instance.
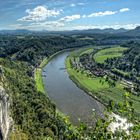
(5, 120)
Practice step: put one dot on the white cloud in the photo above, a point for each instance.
(39, 13)
(15, 25)
(77, 4)
(69, 18)
(84, 16)
(73, 5)
(106, 13)
(48, 24)
(116, 26)
(58, 26)
(81, 3)
(101, 14)
(124, 10)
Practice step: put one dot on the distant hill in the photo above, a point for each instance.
(89, 31)
(111, 31)
(19, 32)
(95, 31)
(107, 31)
(134, 32)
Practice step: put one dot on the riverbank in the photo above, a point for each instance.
(38, 72)
(56, 68)
(97, 87)
(40, 87)
(87, 83)
(74, 77)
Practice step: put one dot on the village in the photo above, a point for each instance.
(86, 63)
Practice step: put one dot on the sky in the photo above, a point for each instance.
(69, 14)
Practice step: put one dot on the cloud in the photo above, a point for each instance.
(101, 14)
(15, 25)
(106, 13)
(73, 5)
(58, 26)
(47, 24)
(78, 4)
(84, 16)
(69, 18)
(39, 13)
(115, 26)
(58, 23)
(81, 3)
(124, 10)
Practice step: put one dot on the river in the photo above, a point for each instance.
(69, 99)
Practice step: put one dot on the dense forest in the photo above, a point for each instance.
(34, 115)
(130, 61)
(127, 66)
(33, 49)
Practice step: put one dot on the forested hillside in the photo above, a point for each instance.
(34, 116)
(128, 66)
(33, 49)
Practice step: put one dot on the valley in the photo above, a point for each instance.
(88, 70)
(60, 86)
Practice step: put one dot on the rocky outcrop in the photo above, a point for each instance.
(5, 120)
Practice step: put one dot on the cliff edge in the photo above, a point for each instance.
(5, 119)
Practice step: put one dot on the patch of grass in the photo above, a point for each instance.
(102, 55)
(86, 38)
(39, 80)
(97, 86)
(121, 72)
(18, 134)
(38, 73)
(87, 51)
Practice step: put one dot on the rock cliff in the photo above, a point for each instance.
(5, 119)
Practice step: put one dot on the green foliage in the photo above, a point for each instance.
(105, 88)
(38, 80)
(128, 65)
(105, 54)
(34, 115)
(32, 111)
(33, 49)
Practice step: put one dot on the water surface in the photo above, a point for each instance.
(69, 99)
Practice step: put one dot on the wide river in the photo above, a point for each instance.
(69, 99)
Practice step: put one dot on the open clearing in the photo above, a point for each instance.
(97, 86)
(102, 55)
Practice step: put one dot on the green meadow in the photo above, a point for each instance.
(103, 54)
(98, 86)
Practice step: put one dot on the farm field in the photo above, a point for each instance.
(98, 86)
(102, 55)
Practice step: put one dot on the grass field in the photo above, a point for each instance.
(38, 80)
(121, 72)
(98, 87)
(38, 73)
(102, 55)
(87, 51)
